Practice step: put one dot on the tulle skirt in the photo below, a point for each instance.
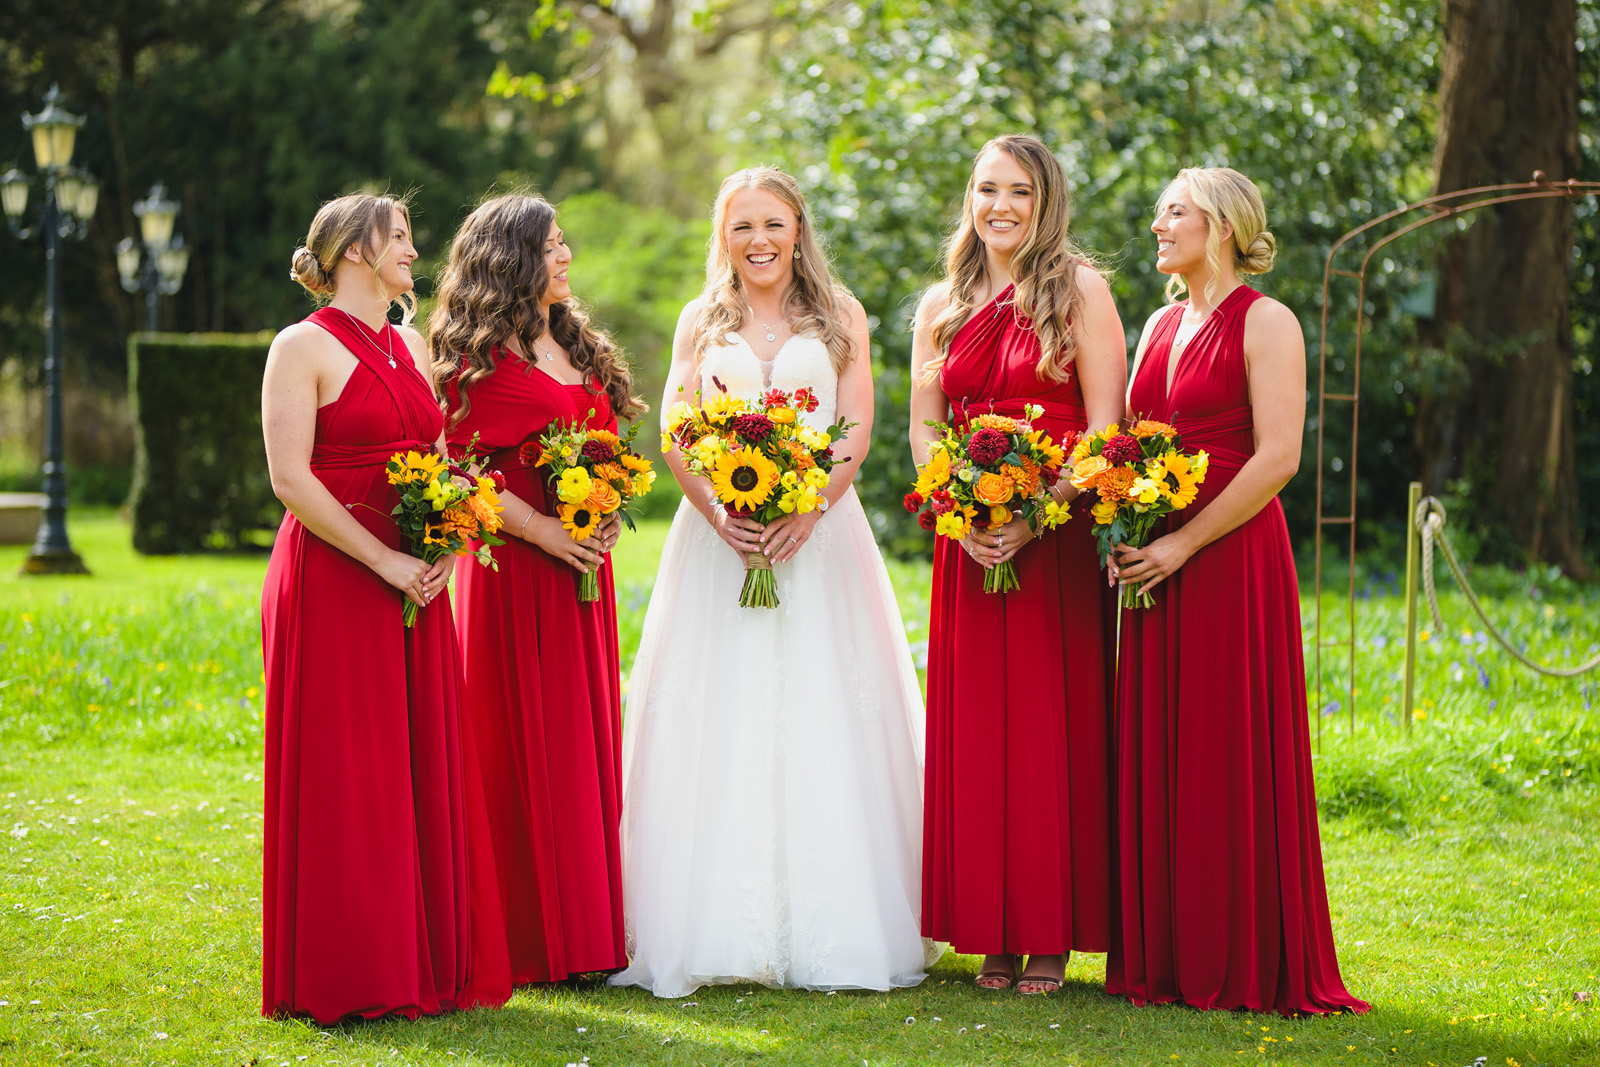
(772, 764)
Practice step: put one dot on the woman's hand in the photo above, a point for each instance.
(547, 533)
(742, 535)
(610, 529)
(785, 536)
(1151, 565)
(995, 545)
(409, 575)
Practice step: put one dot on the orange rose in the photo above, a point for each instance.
(1087, 471)
(993, 489)
(602, 497)
(999, 516)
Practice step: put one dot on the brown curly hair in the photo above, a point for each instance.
(489, 293)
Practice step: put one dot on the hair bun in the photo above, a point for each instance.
(306, 269)
(1257, 259)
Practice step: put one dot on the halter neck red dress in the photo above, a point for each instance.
(378, 890)
(1221, 896)
(1016, 824)
(544, 697)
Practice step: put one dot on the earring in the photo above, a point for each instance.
(796, 251)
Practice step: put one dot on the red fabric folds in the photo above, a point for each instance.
(377, 882)
(1016, 825)
(1221, 901)
(544, 700)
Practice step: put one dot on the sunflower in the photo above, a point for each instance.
(579, 520)
(605, 437)
(1049, 449)
(633, 462)
(743, 479)
(1175, 473)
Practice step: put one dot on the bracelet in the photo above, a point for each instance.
(523, 528)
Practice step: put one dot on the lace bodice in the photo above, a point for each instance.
(801, 362)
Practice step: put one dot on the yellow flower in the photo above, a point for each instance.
(605, 437)
(602, 497)
(1003, 423)
(934, 473)
(1150, 427)
(790, 480)
(815, 440)
(612, 472)
(1052, 451)
(579, 520)
(677, 415)
(802, 499)
(1145, 491)
(1176, 476)
(1103, 512)
(722, 407)
(953, 524)
(643, 481)
(666, 442)
(999, 516)
(744, 479)
(633, 462)
(993, 488)
(573, 487)
(1087, 471)
(1055, 514)
(781, 416)
(817, 478)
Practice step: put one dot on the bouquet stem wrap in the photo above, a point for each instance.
(760, 587)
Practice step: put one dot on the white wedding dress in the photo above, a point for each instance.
(772, 758)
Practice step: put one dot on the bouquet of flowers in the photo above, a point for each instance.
(593, 473)
(442, 508)
(761, 460)
(985, 472)
(1142, 475)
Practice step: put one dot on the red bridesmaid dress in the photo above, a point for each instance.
(378, 890)
(1221, 897)
(544, 698)
(1017, 826)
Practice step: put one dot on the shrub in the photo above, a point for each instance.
(200, 475)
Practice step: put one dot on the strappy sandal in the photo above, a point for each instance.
(1046, 983)
(1002, 980)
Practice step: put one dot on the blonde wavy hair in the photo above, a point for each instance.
(1222, 194)
(489, 293)
(815, 302)
(1044, 269)
(356, 219)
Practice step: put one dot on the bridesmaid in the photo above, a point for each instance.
(375, 895)
(1016, 831)
(517, 354)
(1222, 903)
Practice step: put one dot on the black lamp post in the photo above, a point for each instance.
(69, 202)
(158, 269)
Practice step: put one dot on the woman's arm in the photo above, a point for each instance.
(742, 535)
(928, 402)
(786, 534)
(1275, 360)
(300, 357)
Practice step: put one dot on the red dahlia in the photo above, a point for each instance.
(598, 452)
(1123, 448)
(753, 428)
(987, 446)
(913, 501)
(529, 453)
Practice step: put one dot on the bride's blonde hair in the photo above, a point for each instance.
(815, 302)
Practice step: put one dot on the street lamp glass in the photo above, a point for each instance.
(55, 129)
(67, 188)
(128, 262)
(14, 193)
(88, 197)
(156, 216)
(171, 263)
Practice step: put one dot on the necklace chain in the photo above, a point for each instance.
(772, 335)
(362, 330)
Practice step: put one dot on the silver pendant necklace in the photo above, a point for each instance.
(771, 333)
(362, 330)
(549, 357)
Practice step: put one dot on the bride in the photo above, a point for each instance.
(772, 805)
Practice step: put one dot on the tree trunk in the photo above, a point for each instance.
(1508, 105)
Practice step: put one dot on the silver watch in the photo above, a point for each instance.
(822, 503)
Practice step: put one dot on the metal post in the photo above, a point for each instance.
(52, 553)
(1413, 497)
(150, 294)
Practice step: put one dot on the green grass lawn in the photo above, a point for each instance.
(1462, 862)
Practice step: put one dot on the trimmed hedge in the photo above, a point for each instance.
(200, 477)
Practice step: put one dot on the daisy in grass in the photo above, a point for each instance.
(986, 472)
(1141, 475)
(594, 473)
(443, 508)
(761, 460)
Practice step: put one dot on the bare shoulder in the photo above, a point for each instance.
(852, 308)
(1155, 316)
(1091, 283)
(413, 338)
(934, 300)
(1270, 319)
(690, 312)
(303, 343)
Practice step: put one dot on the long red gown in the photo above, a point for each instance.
(544, 697)
(378, 893)
(1017, 825)
(1221, 896)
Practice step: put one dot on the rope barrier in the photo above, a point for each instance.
(1429, 518)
